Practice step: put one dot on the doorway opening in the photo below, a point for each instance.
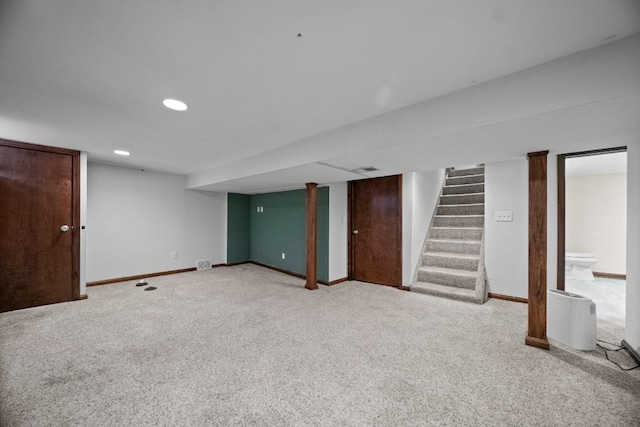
(592, 219)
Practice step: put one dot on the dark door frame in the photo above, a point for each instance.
(350, 245)
(75, 205)
(562, 204)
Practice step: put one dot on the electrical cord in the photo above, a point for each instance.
(606, 353)
(610, 343)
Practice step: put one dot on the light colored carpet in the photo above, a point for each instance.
(248, 346)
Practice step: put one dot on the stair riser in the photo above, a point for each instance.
(450, 262)
(455, 233)
(460, 210)
(454, 247)
(458, 221)
(461, 199)
(464, 189)
(465, 172)
(447, 279)
(471, 179)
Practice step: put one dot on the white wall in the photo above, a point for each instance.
(420, 192)
(136, 219)
(83, 222)
(506, 243)
(338, 233)
(583, 101)
(596, 219)
(632, 329)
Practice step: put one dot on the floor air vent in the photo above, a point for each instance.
(203, 264)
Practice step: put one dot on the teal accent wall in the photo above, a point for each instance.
(238, 227)
(279, 228)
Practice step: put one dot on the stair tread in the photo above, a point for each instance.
(464, 176)
(463, 205)
(436, 289)
(462, 195)
(452, 255)
(466, 172)
(459, 216)
(447, 288)
(454, 271)
(454, 240)
(465, 184)
(457, 228)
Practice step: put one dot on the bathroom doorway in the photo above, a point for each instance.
(592, 233)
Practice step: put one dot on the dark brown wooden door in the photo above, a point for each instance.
(376, 230)
(37, 263)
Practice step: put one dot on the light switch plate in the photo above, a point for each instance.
(504, 216)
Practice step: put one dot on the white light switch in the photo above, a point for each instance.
(504, 216)
(282, 255)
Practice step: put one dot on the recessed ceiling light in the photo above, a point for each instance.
(121, 152)
(174, 104)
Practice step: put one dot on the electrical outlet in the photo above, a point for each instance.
(282, 255)
(174, 255)
(504, 216)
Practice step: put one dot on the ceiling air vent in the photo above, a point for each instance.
(364, 169)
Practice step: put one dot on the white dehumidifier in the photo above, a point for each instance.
(571, 319)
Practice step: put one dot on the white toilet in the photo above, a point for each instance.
(578, 266)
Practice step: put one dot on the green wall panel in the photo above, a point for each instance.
(281, 228)
(238, 228)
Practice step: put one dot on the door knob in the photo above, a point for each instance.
(355, 231)
(64, 228)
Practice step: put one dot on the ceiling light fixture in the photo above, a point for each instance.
(174, 104)
(121, 152)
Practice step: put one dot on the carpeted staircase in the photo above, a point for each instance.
(452, 262)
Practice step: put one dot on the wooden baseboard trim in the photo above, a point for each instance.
(232, 264)
(508, 298)
(186, 270)
(610, 275)
(294, 274)
(139, 276)
(82, 297)
(278, 269)
(537, 342)
(634, 354)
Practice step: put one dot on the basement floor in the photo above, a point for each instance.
(609, 295)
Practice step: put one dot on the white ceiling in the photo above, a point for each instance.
(601, 164)
(91, 75)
